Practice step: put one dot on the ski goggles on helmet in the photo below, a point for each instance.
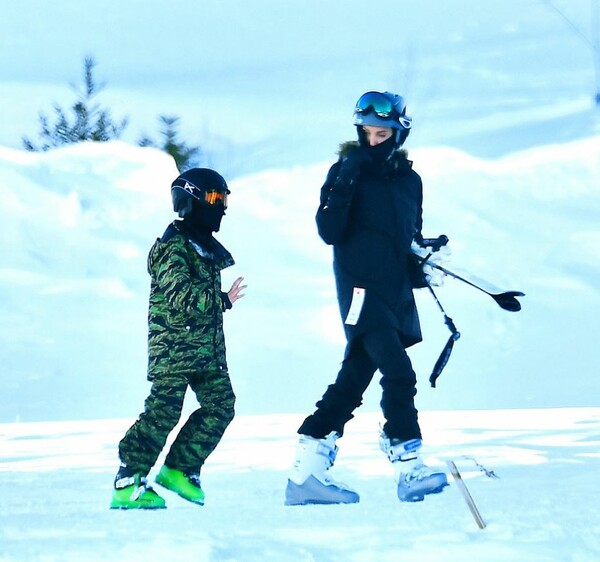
(215, 198)
(209, 197)
(382, 107)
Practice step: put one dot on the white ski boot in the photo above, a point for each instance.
(309, 481)
(414, 479)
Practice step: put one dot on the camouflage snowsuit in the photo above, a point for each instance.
(186, 347)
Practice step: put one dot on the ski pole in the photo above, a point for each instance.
(466, 495)
(454, 336)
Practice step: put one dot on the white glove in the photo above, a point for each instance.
(434, 276)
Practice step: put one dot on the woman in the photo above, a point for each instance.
(370, 212)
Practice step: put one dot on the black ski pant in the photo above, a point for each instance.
(379, 350)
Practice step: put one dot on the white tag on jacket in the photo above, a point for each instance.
(358, 299)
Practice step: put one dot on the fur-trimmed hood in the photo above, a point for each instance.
(399, 158)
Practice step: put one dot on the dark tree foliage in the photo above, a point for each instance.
(185, 156)
(87, 121)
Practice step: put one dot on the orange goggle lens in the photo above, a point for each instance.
(216, 197)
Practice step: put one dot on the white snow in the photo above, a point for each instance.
(544, 504)
(79, 221)
(508, 145)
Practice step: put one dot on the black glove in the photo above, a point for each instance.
(341, 190)
(351, 164)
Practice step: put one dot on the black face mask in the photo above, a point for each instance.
(382, 151)
(205, 218)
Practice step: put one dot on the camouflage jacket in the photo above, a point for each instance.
(185, 313)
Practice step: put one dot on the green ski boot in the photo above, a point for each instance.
(185, 485)
(133, 492)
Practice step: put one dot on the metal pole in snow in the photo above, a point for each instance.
(465, 494)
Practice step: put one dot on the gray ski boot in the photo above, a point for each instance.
(309, 480)
(414, 479)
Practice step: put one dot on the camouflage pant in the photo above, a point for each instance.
(200, 434)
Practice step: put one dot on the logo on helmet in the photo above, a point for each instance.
(189, 188)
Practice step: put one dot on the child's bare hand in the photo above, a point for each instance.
(236, 291)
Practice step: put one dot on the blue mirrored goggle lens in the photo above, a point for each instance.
(374, 101)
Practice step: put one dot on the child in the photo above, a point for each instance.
(186, 347)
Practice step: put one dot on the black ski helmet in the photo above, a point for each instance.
(198, 184)
(382, 109)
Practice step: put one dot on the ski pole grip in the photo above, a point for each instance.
(436, 243)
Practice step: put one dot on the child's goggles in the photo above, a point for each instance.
(381, 106)
(215, 197)
(209, 197)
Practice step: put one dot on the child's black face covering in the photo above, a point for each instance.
(205, 218)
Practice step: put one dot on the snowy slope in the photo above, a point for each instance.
(77, 224)
(55, 484)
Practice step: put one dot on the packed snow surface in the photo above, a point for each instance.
(542, 506)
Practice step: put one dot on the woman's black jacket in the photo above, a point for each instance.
(371, 221)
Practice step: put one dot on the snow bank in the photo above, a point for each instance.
(77, 224)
